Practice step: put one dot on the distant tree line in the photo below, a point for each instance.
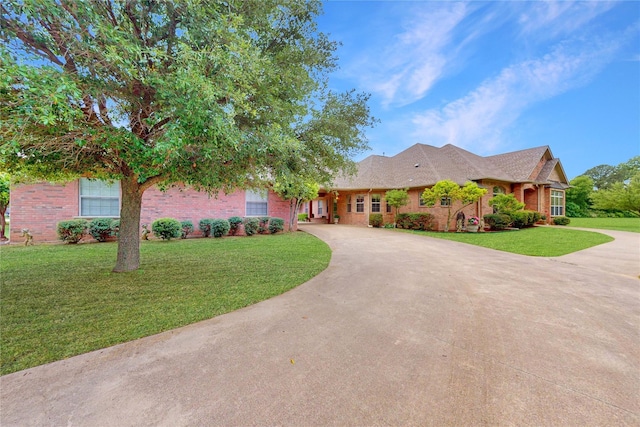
(606, 191)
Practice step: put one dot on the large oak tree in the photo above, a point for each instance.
(217, 94)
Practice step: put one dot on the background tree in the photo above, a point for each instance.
(297, 191)
(217, 95)
(621, 196)
(603, 176)
(447, 189)
(579, 196)
(397, 199)
(5, 183)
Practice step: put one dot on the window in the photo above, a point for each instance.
(256, 202)
(445, 201)
(99, 198)
(421, 202)
(320, 210)
(349, 203)
(375, 203)
(557, 203)
(360, 203)
(388, 206)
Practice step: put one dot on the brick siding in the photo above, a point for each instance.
(39, 207)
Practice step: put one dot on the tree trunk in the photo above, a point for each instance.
(3, 222)
(129, 232)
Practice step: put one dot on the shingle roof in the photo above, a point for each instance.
(423, 165)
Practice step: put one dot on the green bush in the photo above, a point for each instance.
(375, 220)
(205, 226)
(523, 219)
(166, 228)
(115, 227)
(234, 224)
(220, 227)
(415, 221)
(561, 220)
(303, 217)
(388, 225)
(187, 228)
(497, 221)
(275, 225)
(263, 226)
(101, 228)
(73, 230)
(251, 225)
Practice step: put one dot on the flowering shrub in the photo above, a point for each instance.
(474, 220)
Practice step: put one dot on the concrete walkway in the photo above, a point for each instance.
(399, 330)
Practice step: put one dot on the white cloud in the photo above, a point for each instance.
(416, 58)
(557, 18)
(478, 120)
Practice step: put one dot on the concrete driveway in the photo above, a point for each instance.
(399, 330)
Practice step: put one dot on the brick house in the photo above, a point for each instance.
(533, 175)
(39, 207)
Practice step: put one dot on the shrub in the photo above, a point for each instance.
(561, 220)
(522, 219)
(505, 203)
(303, 217)
(250, 226)
(101, 228)
(275, 225)
(115, 227)
(263, 225)
(220, 227)
(388, 225)
(497, 221)
(375, 220)
(187, 228)
(166, 228)
(234, 224)
(73, 230)
(415, 221)
(205, 226)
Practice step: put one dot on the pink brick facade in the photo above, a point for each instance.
(535, 198)
(39, 207)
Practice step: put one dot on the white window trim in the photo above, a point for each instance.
(360, 203)
(80, 197)
(260, 196)
(554, 207)
(378, 203)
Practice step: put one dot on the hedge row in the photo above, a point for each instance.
(72, 231)
(415, 221)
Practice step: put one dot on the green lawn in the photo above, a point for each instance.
(536, 241)
(62, 300)
(621, 224)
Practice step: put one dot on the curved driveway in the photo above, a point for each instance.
(399, 330)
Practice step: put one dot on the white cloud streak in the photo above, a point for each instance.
(478, 120)
(416, 58)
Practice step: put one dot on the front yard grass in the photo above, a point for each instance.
(621, 224)
(535, 241)
(59, 301)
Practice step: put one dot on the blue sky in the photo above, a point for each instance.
(493, 77)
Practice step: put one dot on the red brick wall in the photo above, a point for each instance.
(39, 207)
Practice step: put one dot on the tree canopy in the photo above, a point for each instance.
(397, 198)
(452, 192)
(620, 196)
(219, 95)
